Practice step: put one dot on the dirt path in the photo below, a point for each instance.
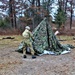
(12, 63)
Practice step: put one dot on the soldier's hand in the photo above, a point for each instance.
(33, 39)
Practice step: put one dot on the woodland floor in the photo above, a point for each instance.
(12, 63)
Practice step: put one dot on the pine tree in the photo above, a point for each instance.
(60, 17)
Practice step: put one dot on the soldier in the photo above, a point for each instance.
(27, 43)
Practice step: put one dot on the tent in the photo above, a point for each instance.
(46, 41)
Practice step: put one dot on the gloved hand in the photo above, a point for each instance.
(33, 39)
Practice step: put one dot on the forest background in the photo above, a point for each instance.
(16, 14)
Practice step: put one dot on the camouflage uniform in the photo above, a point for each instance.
(27, 43)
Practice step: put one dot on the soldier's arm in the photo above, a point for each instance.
(31, 35)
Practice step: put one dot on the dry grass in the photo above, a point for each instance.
(10, 42)
(67, 40)
(18, 38)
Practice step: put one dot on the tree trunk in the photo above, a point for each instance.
(38, 3)
(33, 1)
(11, 12)
(14, 14)
(71, 16)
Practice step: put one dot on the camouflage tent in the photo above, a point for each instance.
(45, 39)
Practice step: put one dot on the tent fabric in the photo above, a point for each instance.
(45, 40)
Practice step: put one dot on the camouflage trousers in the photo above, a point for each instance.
(28, 44)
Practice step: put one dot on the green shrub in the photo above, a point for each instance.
(60, 17)
(4, 23)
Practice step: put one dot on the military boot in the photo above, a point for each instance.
(24, 56)
(33, 56)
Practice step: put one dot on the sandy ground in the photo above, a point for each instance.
(12, 63)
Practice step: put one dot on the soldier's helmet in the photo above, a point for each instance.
(27, 27)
